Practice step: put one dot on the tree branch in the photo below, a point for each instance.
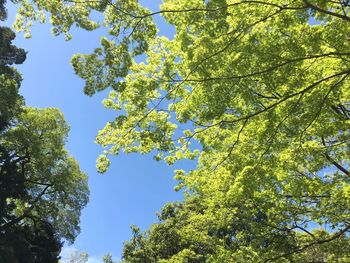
(317, 242)
(344, 17)
(25, 213)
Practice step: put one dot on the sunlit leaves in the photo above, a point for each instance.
(255, 91)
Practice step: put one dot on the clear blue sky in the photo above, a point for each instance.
(135, 187)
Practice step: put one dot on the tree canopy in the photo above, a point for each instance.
(42, 189)
(256, 91)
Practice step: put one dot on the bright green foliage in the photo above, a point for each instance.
(55, 186)
(174, 238)
(261, 86)
(42, 188)
(186, 233)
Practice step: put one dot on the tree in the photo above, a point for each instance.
(10, 100)
(41, 186)
(9, 54)
(174, 238)
(30, 243)
(262, 87)
(108, 258)
(3, 12)
(42, 189)
(55, 189)
(77, 257)
(187, 233)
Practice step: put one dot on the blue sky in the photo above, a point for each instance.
(135, 187)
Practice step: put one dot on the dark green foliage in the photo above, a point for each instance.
(3, 13)
(10, 79)
(11, 179)
(10, 54)
(42, 189)
(10, 100)
(30, 244)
